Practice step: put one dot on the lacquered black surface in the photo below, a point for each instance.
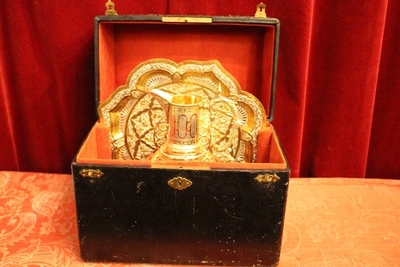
(224, 218)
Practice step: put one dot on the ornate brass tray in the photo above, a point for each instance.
(230, 119)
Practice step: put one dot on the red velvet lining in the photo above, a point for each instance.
(246, 52)
(96, 150)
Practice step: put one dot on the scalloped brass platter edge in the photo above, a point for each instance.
(229, 121)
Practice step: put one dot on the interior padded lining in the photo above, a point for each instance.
(96, 150)
(106, 59)
(264, 145)
(276, 153)
(88, 150)
(103, 147)
(246, 52)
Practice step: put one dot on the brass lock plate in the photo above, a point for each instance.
(179, 183)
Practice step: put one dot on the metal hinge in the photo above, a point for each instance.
(260, 12)
(186, 19)
(110, 8)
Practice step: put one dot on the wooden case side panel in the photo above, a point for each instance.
(223, 218)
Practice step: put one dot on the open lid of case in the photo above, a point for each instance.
(246, 47)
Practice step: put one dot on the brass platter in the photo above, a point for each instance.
(230, 118)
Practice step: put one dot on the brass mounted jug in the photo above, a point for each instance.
(183, 113)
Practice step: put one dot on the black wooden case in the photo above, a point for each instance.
(232, 213)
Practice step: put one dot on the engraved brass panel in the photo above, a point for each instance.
(179, 183)
(267, 178)
(90, 173)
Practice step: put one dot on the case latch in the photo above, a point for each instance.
(260, 12)
(91, 173)
(110, 8)
(267, 178)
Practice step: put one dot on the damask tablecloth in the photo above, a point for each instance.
(329, 222)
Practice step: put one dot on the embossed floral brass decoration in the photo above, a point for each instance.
(229, 123)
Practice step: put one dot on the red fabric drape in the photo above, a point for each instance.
(336, 109)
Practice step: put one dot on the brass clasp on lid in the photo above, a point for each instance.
(186, 19)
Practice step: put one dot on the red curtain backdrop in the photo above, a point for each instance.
(337, 111)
